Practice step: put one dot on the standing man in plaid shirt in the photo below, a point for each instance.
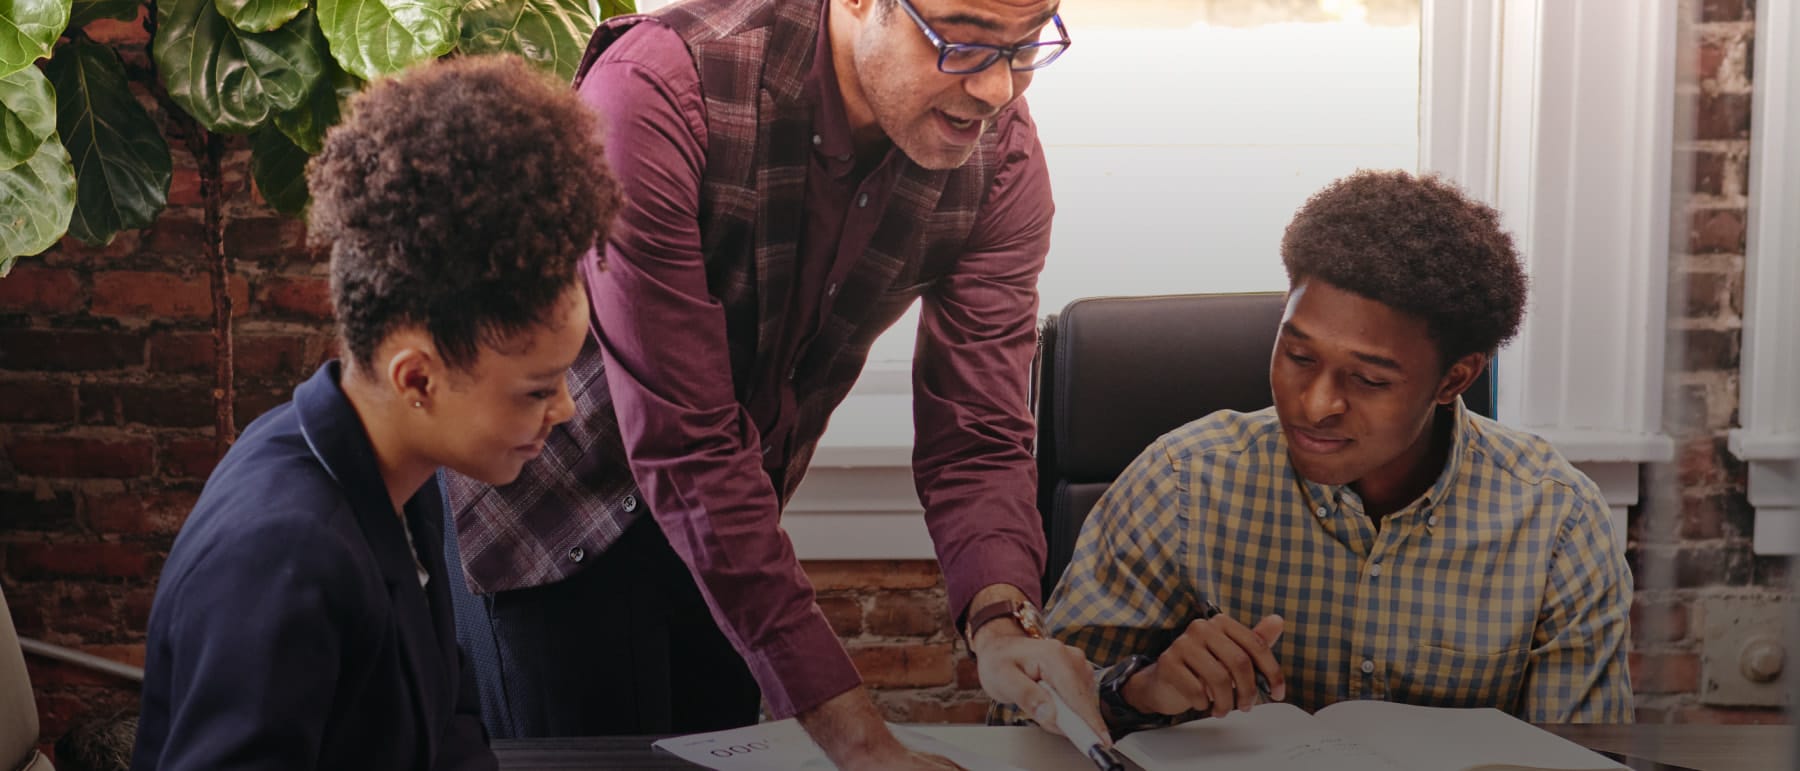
(1367, 537)
(797, 174)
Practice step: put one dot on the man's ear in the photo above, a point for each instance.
(858, 8)
(1461, 375)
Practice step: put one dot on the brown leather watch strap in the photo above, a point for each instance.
(1023, 612)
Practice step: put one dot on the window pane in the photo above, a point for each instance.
(1181, 135)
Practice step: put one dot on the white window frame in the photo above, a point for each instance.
(1769, 370)
(1511, 91)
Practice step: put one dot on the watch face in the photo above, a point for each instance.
(1029, 619)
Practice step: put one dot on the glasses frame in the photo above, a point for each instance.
(946, 48)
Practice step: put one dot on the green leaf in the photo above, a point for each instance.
(230, 80)
(259, 15)
(122, 165)
(611, 8)
(85, 11)
(306, 125)
(371, 38)
(279, 168)
(551, 34)
(27, 115)
(36, 199)
(28, 28)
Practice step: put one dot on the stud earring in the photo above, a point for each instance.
(418, 405)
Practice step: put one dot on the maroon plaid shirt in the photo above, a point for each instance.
(748, 238)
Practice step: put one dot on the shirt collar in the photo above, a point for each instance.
(1330, 496)
(831, 125)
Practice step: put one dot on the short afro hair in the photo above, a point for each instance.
(1418, 245)
(460, 197)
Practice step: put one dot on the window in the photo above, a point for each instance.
(1181, 135)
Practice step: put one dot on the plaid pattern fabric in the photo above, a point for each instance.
(1500, 587)
(752, 57)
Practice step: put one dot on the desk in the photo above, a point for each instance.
(1704, 747)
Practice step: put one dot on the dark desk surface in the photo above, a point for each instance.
(1703, 747)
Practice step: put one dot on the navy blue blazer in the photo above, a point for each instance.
(289, 630)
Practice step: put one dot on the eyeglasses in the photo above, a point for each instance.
(970, 58)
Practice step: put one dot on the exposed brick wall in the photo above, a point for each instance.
(1690, 540)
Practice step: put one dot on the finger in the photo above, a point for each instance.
(1070, 675)
(1010, 684)
(1258, 656)
(1197, 654)
(1269, 630)
(1237, 663)
(1179, 669)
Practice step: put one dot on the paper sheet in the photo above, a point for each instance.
(784, 746)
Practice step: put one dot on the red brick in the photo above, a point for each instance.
(1653, 623)
(252, 402)
(844, 613)
(121, 33)
(162, 295)
(33, 561)
(1664, 672)
(1708, 169)
(48, 290)
(184, 187)
(1774, 571)
(909, 614)
(904, 666)
(841, 575)
(267, 238)
(280, 358)
(181, 352)
(307, 297)
(37, 401)
(1707, 294)
(136, 609)
(68, 350)
(139, 512)
(1717, 231)
(1705, 566)
(1723, 116)
(189, 457)
(1721, 716)
(166, 406)
(968, 673)
(41, 509)
(1706, 462)
(1709, 349)
(1711, 55)
(77, 457)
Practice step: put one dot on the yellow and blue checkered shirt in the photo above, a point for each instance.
(1500, 587)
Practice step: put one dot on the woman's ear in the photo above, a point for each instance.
(1460, 377)
(413, 369)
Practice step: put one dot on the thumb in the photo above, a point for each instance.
(1011, 685)
(1270, 628)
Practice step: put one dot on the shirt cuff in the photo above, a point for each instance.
(803, 668)
(984, 565)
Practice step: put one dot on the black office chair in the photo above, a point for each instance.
(1115, 373)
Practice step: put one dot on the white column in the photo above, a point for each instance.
(1769, 395)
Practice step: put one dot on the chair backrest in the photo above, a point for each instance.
(18, 710)
(1115, 373)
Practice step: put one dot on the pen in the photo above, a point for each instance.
(1208, 610)
(1082, 735)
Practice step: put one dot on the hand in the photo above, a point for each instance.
(855, 737)
(1212, 667)
(1015, 669)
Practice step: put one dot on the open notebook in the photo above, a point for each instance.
(1360, 736)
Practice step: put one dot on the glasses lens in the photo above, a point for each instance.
(964, 59)
(1038, 55)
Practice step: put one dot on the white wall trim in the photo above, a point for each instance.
(1769, 371)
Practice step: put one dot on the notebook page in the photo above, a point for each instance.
(1271, 737)
(1433, 738)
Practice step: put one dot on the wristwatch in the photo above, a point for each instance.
(1119, 715)
(1021, 611)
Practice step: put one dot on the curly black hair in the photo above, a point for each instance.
(1416, 244)
(458, 196)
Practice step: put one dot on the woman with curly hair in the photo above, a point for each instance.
(303, 619)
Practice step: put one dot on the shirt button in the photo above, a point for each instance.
(1375, 570)
(793, 374)
(577, 554)
(630, 503)
(1431, 520)
(862, 200)
(1368, 667)
(844, 157)
(831, 290)
(818, 140)
(767, 450)
(1320, 512)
